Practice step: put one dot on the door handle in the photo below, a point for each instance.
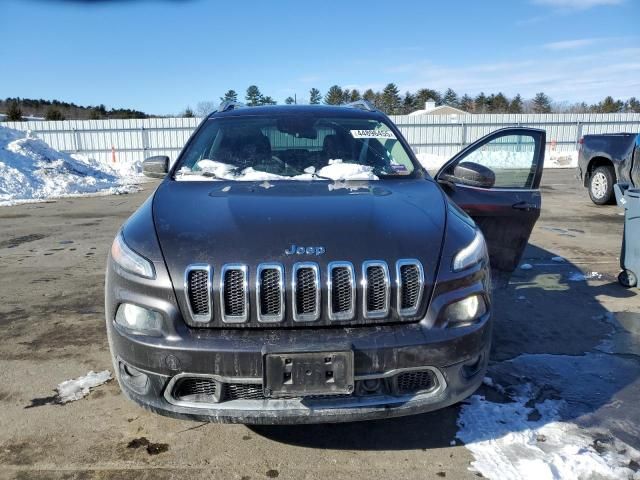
(526, 206)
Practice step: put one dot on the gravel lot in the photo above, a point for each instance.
(52, 259)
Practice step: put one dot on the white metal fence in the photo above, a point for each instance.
(134, 140)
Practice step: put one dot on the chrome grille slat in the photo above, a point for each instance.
(376, 293)
(234, 296)
(341, 289)
(197, 289)
(305, 283)
(410, 283)
(270, 292)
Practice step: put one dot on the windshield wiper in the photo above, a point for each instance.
(200, 173)
(317, 175)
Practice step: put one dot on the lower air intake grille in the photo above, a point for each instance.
(413, 382)
(196, 390)
(243, 391)
(198, 292)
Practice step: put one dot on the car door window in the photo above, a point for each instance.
(512, 158)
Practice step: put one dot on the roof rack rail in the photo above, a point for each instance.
(362, 105)
(228, 105)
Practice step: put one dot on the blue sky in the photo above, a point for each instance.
(161, 56)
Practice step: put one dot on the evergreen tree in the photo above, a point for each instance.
(230, 96)
(541, 103)
(53, 114)
(466, 103)
(609, 105)
(480, 104)
(346, 95)
(500, 103)
(450, 98)
(314, 96)
(188, 113)
(253, 97)
(390, 99)
(408, 103)
(427, 94)
(14, 112)
(515, 106)
(334, 96)
(289, 101)
(355, 95)
(267, 101)
(632, 105)
(369, 95)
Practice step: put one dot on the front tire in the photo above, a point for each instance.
(601, 184)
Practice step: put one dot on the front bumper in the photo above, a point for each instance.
(147, 367)
(458, 360)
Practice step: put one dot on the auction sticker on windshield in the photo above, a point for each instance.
(372, 134)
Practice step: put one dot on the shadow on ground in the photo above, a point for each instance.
(540, 311)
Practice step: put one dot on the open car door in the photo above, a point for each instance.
(496, 180)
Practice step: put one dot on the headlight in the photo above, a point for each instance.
(139, 319)
(465, 312)
(130, 260)
(473, 253)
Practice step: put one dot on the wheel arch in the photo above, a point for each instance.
(595, 162)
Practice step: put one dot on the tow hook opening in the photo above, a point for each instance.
(133, 378)
(473, 367)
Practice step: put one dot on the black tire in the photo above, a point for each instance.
(601, 184)
(627, 279)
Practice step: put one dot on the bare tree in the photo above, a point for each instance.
(205, 108)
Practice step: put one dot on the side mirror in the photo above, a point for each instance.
(470, 173)
(156, 167)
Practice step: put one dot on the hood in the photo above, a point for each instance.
(219, 222)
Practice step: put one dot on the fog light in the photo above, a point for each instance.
(138, 319)
(465, 312)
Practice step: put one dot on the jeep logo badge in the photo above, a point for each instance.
(298, 250)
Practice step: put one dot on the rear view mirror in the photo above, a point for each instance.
(156, 167)
(470, 173)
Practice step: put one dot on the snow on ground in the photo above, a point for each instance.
(563, 419)
(552, 159)
(32, 170)
(78, 388)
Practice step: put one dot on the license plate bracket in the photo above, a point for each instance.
(308, 373)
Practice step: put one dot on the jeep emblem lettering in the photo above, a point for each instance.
(298, 250)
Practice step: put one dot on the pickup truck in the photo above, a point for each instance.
(607, 159)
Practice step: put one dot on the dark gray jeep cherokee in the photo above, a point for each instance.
(298, 265)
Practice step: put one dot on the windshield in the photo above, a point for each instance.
(294, 147)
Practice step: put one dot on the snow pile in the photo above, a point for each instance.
(552, 428)
(78, 388)
(552, 159)
(335, 170)
(32, 170)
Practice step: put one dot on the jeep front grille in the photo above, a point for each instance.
(376, 289)
(270, 292)
(410, 278)
(342, 291)
(198, 290)
(304, 294)
(234, 295)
